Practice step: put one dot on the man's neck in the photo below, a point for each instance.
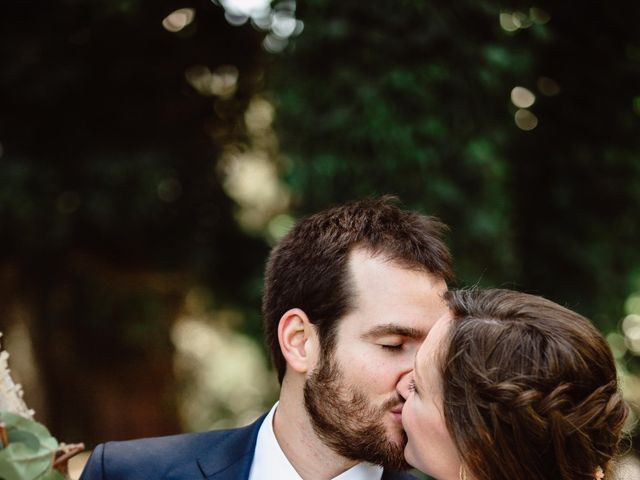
(306, 452)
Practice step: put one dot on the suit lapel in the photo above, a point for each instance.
(392, 475)
(230, 457)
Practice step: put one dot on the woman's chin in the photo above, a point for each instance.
(410, 457)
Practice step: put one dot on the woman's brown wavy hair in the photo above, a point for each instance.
(530, 389)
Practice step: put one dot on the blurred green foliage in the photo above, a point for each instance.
(413, 98)
(111, 206)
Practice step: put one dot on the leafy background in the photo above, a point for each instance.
(151, 152)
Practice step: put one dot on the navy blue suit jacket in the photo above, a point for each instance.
(216, 455)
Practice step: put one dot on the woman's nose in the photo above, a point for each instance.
(403, 385)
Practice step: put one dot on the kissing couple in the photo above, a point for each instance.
(383, 368)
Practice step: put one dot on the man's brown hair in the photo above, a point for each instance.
(308, 269)
(530, 389)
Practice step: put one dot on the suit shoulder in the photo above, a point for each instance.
(162, 448)
(172, 457)
(159, 457)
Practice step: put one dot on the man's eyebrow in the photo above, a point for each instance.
(392, 329)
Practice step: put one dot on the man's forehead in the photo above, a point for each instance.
(368, 268)
(364, 253)
(387, 298)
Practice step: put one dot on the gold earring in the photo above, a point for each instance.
(462, 475)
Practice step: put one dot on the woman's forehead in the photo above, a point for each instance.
(430, 349)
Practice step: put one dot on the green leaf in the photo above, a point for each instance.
(52, 475)
(30, 452)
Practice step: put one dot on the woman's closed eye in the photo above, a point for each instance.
(412, 386)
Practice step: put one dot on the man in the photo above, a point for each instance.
(350, 293)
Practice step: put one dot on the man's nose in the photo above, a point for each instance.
(403, 385)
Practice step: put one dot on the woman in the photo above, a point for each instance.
(510, 386)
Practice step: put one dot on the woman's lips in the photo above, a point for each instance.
(397, 413)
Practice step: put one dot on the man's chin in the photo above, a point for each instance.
(398, 438)
(395, 433)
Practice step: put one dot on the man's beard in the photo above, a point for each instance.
(345, 420)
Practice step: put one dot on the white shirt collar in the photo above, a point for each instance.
(270, 462)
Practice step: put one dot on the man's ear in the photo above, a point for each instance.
(298, 340)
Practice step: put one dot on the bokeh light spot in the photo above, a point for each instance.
(522, 97)
(274, 43)
(283, 24)
(507, 23)
(223, 82)
(259, 115)
(633, 333)
(525, 120)
(521, 20)
(280, 225)
(221, 369)
(617, 344)
(548, 86)
(235, 19)
(631, 329)
(246, 8)
(512, 21)
(179, 19)
(279, 20)
(632, 305)
(538, 15)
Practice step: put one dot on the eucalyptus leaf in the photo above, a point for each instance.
(17, 424)
(52, 475)
(20, 462)
(25, 437)
(30, 452)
